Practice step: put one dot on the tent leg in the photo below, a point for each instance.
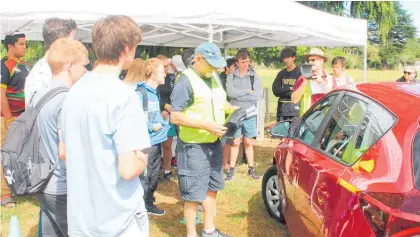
(210, 32)
(365, 63)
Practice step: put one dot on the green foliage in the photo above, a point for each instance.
(34, 51)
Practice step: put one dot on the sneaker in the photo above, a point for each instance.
(173, 162)
(216, 233)
(154, 210)
(168, 176)
(230, 175)
(253, 174)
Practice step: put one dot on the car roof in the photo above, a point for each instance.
(399, 98)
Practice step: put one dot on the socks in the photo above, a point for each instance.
(167, 171)
(209, 231)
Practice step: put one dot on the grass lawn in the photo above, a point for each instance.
(240, 210)
(268, 76)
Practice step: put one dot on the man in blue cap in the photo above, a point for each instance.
(199, 107)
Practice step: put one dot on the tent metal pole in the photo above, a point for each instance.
(210, 31)
(365, 63)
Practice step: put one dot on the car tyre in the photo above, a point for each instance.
(272, 196)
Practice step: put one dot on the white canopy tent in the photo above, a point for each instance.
(187, 23)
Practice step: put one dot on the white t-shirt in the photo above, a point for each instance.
(39, 78)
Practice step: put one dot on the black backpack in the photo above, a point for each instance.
(26, 172)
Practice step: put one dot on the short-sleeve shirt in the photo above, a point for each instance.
(49, 121)
(13, 76)
(182, 95)
(39, 78)
(101, 120)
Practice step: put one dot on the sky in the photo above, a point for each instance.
(413, 7)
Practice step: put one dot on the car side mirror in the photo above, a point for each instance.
(280, 130)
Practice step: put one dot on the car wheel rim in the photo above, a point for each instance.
(274, 194)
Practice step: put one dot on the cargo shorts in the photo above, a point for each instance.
(200, 169)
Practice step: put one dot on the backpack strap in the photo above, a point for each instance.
(143, 92)
(51, 94)
(252, 78)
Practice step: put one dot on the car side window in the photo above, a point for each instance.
(416, 160)
(355, 127)
(342, 128)
(376, 123)
(312, 120)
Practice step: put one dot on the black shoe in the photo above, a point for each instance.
(230, 175)
(154, 210)
(168, 176)
(253, 174)
(216, 233)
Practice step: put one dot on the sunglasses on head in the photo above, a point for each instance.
(408, 73)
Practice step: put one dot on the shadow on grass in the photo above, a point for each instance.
(33, 232)
(30, 199)
(259, 221)
(169, 223)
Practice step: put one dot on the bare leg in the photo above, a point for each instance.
(167, 154)
(234, 152)
(249, 151)
(190, 213)
(209, 206)
(226, 154)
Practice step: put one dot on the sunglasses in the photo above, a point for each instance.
(408, 73)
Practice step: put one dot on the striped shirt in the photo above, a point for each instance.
(13, 76)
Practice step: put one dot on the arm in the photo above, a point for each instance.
(61, 147)
(257, 87)
(131, 138)
(180, 119)
(182, 97)
(232, 92)
(131, 164)
(299, 90)
(5, 80)
(278, 88)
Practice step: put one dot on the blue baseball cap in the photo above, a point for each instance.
(211, 53)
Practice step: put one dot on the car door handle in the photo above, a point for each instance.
(322, 194)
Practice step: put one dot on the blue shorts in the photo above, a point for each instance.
(247, 128)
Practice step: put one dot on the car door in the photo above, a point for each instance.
(333, 151)
(296, 172)
(363, 122)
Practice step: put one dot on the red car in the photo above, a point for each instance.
(351, 165)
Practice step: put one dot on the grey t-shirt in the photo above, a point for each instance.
(49, 121)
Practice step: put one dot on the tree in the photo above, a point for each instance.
(400, 33)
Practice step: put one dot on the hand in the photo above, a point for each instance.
(216, 129)
(157, 127)
(165, 115)
(168, 107)
(317, 77)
